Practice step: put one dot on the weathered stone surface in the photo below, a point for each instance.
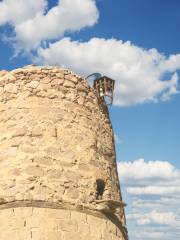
(11, 88)
(71, 78)
(55, 144)
(46, 79)
(37, 131)
(34, 171)
(72, 193)
(3, 72)
(68, 84)
(57, 81)
(1, 90)
(81, 100)
(53, 224)
(19, 132)
(33, 84)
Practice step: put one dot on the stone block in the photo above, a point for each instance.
(33, 84)
(80, 216)
(43, 161)
(1, 90)
(52, 93)
(22, 234)
(81, 101)
(57, 81)
(58, 214)
(9, 152)
(37, 234)
(23, 212)
(71, 78)
(68, 225)
(55, 173)
(46, 80)
(72, 193)
(83, 228)
(60, 75)
(53, 235)
(19, 132)
(37, 131)
(32, 222)
(11, 88)
(16, 222)
(68, 84)
(73, 235)
(34, 171)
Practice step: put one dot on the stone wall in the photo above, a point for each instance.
(55, 143)
(55, 224)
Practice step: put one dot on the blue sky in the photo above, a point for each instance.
(116, 38)
(146, 23)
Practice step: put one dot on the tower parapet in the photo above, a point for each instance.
(58, 174)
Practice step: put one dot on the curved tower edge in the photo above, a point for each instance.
(40, 221)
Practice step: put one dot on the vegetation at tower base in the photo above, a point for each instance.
(58, 175)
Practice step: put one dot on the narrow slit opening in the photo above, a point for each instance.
(100, 187)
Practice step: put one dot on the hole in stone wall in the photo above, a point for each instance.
(100, 187)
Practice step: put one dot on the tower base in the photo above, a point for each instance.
(33, 223)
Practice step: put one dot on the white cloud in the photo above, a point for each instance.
(32, 24)
(15, 12)
(150, 178)
(154, 217)
(150, 234)
(140, 73)
(152, 191)
(161, 203)
(139, 169)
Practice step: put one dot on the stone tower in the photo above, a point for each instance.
(58, 175)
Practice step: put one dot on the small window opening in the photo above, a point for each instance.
(100, 189)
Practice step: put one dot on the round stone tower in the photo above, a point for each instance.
(58, 174)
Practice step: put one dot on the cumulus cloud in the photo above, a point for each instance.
(150, 234)
(140, 74)
(151, 189)
(33, 23)
(150, 178)
(161, 203)
(139, 169)
(154, 190)
(15, 12)
(154, 217)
